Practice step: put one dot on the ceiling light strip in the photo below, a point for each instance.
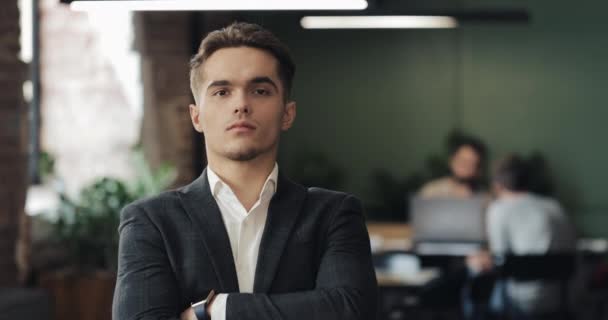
(378, 22)
(214, 5)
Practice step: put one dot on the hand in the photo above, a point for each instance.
(188, 314)
(480, 261)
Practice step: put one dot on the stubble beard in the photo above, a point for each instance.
(248, 153)
(243, 155)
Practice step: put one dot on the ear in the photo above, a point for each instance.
(195, 116)
(289, 115)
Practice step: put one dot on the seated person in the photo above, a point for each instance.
(467, 159)
(520, 222)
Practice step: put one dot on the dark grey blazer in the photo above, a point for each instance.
(314, 260)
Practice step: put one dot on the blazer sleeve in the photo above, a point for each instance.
(345, 287)
(145, 287)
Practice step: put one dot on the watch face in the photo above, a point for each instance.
(200, 310)
(200, 303)
(209, 298)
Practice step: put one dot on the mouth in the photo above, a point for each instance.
(241, 126)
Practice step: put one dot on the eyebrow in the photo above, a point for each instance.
(219, 83)
(262, 79)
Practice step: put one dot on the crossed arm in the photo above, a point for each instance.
(345, 285)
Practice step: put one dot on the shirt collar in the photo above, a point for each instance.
(216, 183)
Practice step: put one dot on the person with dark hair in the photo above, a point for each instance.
(467, 157)
(256, 244)
(520, 222)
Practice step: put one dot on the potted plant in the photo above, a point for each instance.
(86, 228)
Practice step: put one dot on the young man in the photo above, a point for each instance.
(257, 245)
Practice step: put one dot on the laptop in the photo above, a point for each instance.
(448, 226)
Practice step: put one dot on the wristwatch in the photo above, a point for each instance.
(201, 308)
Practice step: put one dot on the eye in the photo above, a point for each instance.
(262, 92)
(221, 92)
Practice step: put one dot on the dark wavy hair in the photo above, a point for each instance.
(531, 174)
(513, 173)
(242, 34)
(457, 140)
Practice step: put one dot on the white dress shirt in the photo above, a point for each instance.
(244, 229)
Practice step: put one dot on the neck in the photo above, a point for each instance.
(508, 194)
(245, 178)
(472, 184)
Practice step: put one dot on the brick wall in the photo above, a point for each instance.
(13, 140)
(164, 43)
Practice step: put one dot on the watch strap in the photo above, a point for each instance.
(200, 308)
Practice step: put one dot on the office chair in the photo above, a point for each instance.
(554, 267)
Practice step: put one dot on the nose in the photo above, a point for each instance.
(242, 106)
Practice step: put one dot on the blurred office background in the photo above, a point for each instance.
(93, 114)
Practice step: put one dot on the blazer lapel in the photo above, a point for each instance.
(283, 213)
(206, 216)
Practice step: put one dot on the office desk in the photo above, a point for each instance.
(398, 237)
(390, 236)
(399, 293)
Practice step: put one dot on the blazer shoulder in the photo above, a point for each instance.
(152, 205)
(321, 196)
(326, 194)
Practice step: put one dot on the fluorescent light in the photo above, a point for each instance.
(378, 22)
(214, 5)
(27, 32)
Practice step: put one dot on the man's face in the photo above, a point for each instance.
(241, 108)
(465, 163)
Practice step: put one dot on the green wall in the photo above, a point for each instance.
(385, 105)
(386, 99)
(370, 99)
(543, 86)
